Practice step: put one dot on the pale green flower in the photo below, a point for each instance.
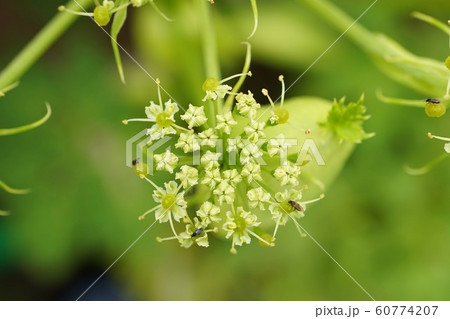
(257, 197)
(247, 105)
(210, 160)
(238, 226)
(212, 178)
(108, 4)
(250, 153)
(219, 92)
(171, 202)
(232, 176)
(186, 238)
(273, 118)
(234, 144)
(163, 118)
(138, 3)
(225, 122)
(188, 176)
(166, 161)
(194, 116)
(208, 138)
(282, 208)
(208, 214)
(254, 131)
(188, 142)
(225, 193)
(252, 171)
(287, 174)
(277, 146)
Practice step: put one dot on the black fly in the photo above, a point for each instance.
(296, 205)
(434, 101)
(197, 232)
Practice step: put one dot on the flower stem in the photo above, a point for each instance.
(41, 42)
(211, 58)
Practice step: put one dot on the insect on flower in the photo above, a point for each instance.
(434, 101)
(296, 205)
(197, 232)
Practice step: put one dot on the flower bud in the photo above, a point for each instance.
(102, 15)
(434, 108)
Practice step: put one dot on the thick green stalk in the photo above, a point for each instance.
(40, 44)
(422, 74)
(211, 57)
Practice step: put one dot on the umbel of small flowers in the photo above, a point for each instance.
(221, 170)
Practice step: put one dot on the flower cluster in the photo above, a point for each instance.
(228, 176)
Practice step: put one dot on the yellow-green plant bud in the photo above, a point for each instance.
(102, 15)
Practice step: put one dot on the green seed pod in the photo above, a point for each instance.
(102, 15)
(283, 115)
(447, 62)
(434, 108)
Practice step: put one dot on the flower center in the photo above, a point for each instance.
(283, 115)
(241, 225)
(287, 208)
(210, 84)
(163, 119)
(168, 201)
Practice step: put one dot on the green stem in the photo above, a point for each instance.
(41, 42)
(211, 58)
(28, 127)
(248, 58)
(340, 20)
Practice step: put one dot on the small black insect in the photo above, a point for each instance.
(296, 205)
(197, 232)
(434, 101)
(135, 161)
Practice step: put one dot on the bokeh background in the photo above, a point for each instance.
(390, 230)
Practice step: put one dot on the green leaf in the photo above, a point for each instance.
(346, 121)
(118, 22)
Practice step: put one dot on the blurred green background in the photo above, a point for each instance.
(391, 231)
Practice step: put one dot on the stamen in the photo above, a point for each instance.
(446, 139)
(171, 225)
(79, 13)
(302, 234)
(148, 212)
(249, 73)
(259, 238)
(266, 94)
(160, 240)
(283, 89)
(125, 122)
(158, 83)
(276, 227)
(233, 250)
(314, 200)
(181, 128)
